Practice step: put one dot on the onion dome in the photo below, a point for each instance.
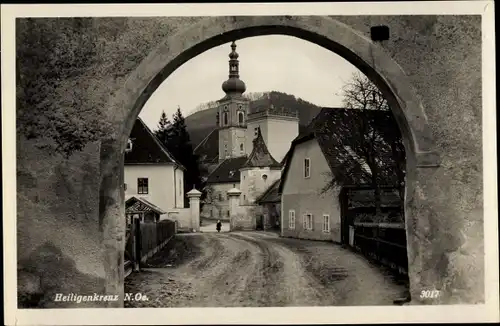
(234, 85)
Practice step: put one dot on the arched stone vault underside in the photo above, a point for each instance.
(210, 32)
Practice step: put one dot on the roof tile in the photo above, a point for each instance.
(208, 149)
(228, 171)
(137, 204)
(334, 130)
(271, 195)
(146, 148)
(260, 156)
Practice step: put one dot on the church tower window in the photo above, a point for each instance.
(231, 111)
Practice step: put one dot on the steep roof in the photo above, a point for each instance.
(137, 204)
(228, 171)
(359, 197)
(208, 148)
(333, 129)
(271, 195)
(260, 156)
(146, 148)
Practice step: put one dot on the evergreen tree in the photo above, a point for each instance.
(175, 137)
(164, 129)
(182, 143)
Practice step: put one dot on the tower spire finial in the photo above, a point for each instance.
(233, 61)
(234, 84)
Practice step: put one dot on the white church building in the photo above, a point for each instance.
(251, 146)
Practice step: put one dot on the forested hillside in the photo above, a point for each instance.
(203, 120)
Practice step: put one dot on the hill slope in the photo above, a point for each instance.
(202, 122)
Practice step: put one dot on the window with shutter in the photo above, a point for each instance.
(307, 168)
(326, 223)
(142, 186)
(291, 219)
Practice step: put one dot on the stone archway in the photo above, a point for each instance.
(327, 32)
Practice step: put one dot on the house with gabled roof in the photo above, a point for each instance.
(152, 173)
(310, 209)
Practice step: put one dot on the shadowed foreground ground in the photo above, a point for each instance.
(256, 269)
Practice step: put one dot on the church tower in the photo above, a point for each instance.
(232, 112)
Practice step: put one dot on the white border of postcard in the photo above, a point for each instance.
(295, 315)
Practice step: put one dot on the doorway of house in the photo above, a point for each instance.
(260, 222)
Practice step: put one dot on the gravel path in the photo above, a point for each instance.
(258, 269)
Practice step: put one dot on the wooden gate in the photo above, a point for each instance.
(260, 222)
(346, 219)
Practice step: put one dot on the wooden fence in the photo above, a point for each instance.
(143, 240)
(383, 242)
(154, 235)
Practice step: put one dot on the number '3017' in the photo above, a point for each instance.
(429, 294)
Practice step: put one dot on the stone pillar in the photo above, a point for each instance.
(112, 219)
(234, 200)
(194, 207)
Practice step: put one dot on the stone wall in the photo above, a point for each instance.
(183, 218)
(245, 218)
(58, 243)
(442, 58)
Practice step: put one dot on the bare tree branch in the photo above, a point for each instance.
(371, 136)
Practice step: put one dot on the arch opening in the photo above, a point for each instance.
(418, 140)
(370, 59)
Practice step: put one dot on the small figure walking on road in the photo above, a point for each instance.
(219, 225)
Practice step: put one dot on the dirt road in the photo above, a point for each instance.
(258, 269)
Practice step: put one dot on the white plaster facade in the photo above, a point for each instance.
(254, 181)
(220, 207)
(165, 184)
(302, 195)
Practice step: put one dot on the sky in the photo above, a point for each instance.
(267, 63)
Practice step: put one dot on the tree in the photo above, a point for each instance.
(210, 197)
(164, 129)
(51, 54)
(175, 137)
(67, 69)
(374, 137)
